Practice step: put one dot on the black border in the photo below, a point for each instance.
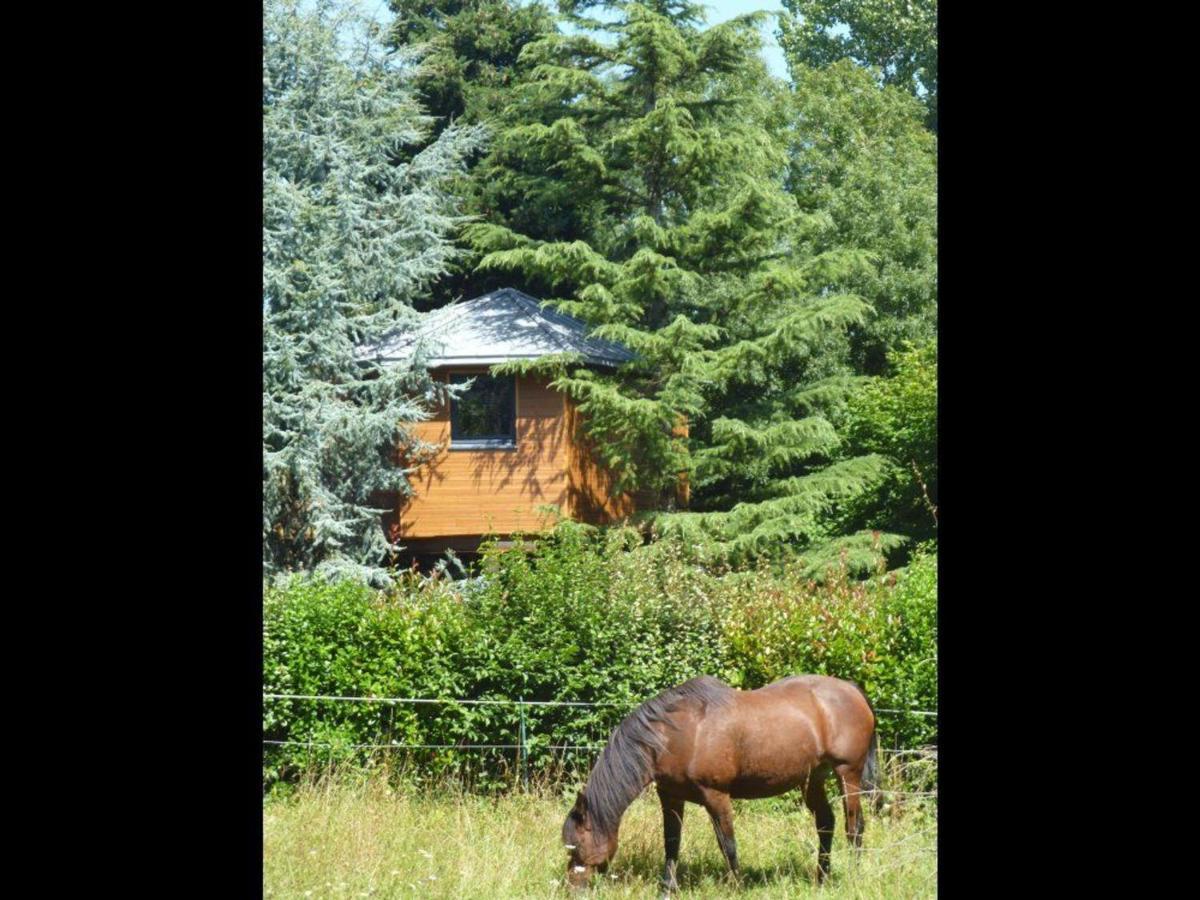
(163, 719)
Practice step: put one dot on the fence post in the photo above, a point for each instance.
(523, 751)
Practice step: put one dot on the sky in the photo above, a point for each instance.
(718, 11)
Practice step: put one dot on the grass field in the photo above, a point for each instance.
(370, 840)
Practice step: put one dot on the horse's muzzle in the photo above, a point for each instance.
(578, 876)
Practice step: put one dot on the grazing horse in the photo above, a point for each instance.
(707, 743)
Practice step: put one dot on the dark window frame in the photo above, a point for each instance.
(487, 441)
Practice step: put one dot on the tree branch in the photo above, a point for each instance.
(924, 492)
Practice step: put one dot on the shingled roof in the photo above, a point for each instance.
(497, 327)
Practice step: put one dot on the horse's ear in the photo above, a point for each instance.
(580, 804)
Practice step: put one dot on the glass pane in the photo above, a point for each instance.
(485, 411)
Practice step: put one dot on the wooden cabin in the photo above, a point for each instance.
(513, 458)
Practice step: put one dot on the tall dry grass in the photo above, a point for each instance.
(370, 838)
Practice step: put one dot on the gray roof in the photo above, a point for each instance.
(497, 327)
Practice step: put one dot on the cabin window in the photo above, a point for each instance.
(485, 414)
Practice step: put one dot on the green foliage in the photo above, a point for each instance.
(471, 51)
(896, 417)
(881, 633)
(356, 224)
(637, 183)
(760, 247)
(907, 669)
(796, 515)
(898, 40)
(860, 156)
(586, 615)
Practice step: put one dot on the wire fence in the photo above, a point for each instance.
(524, 745)
(503, 702)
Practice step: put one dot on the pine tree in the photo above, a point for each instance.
(637, 185)
(472, 49)
(357, 222)
(470, 60)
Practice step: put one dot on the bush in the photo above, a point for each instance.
(578, 618)
(897, 418)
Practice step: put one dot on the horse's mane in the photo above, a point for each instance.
(626, 763)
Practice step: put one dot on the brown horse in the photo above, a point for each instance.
(707, 743)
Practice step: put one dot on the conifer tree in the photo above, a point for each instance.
(470, 60)
(472, 49)
(356, 223)
(637, 185)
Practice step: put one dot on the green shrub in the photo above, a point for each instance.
(897, 418)
(576, 618)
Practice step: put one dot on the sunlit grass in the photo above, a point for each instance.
(373, 840)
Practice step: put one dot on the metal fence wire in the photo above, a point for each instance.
(523, 745)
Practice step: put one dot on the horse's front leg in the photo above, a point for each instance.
(672, 808)
(720, 809)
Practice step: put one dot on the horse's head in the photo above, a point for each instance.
(588, 849)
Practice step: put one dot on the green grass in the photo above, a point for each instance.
(372, 840)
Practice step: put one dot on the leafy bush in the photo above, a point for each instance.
(576, 618)
(896, 418)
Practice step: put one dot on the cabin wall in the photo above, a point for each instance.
(463, 493)
(591, 483)
(473, 492)
(683, 487)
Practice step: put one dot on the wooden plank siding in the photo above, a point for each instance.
(473, 492)
(591, 483)
(468, 493)
(463, 493)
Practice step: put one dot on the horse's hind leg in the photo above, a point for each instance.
(851, 781)
(672, 809)
(720, 810)
(815, 799)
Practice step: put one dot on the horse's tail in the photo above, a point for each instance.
(870, 776)
(870, 780)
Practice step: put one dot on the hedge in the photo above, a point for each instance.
(578, 617)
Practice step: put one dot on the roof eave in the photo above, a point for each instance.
(449, 362)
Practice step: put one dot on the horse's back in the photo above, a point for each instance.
(836, 690)
(747, 743)
(827, 718)
(844, 715)
(809, 709)
(762, 742)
